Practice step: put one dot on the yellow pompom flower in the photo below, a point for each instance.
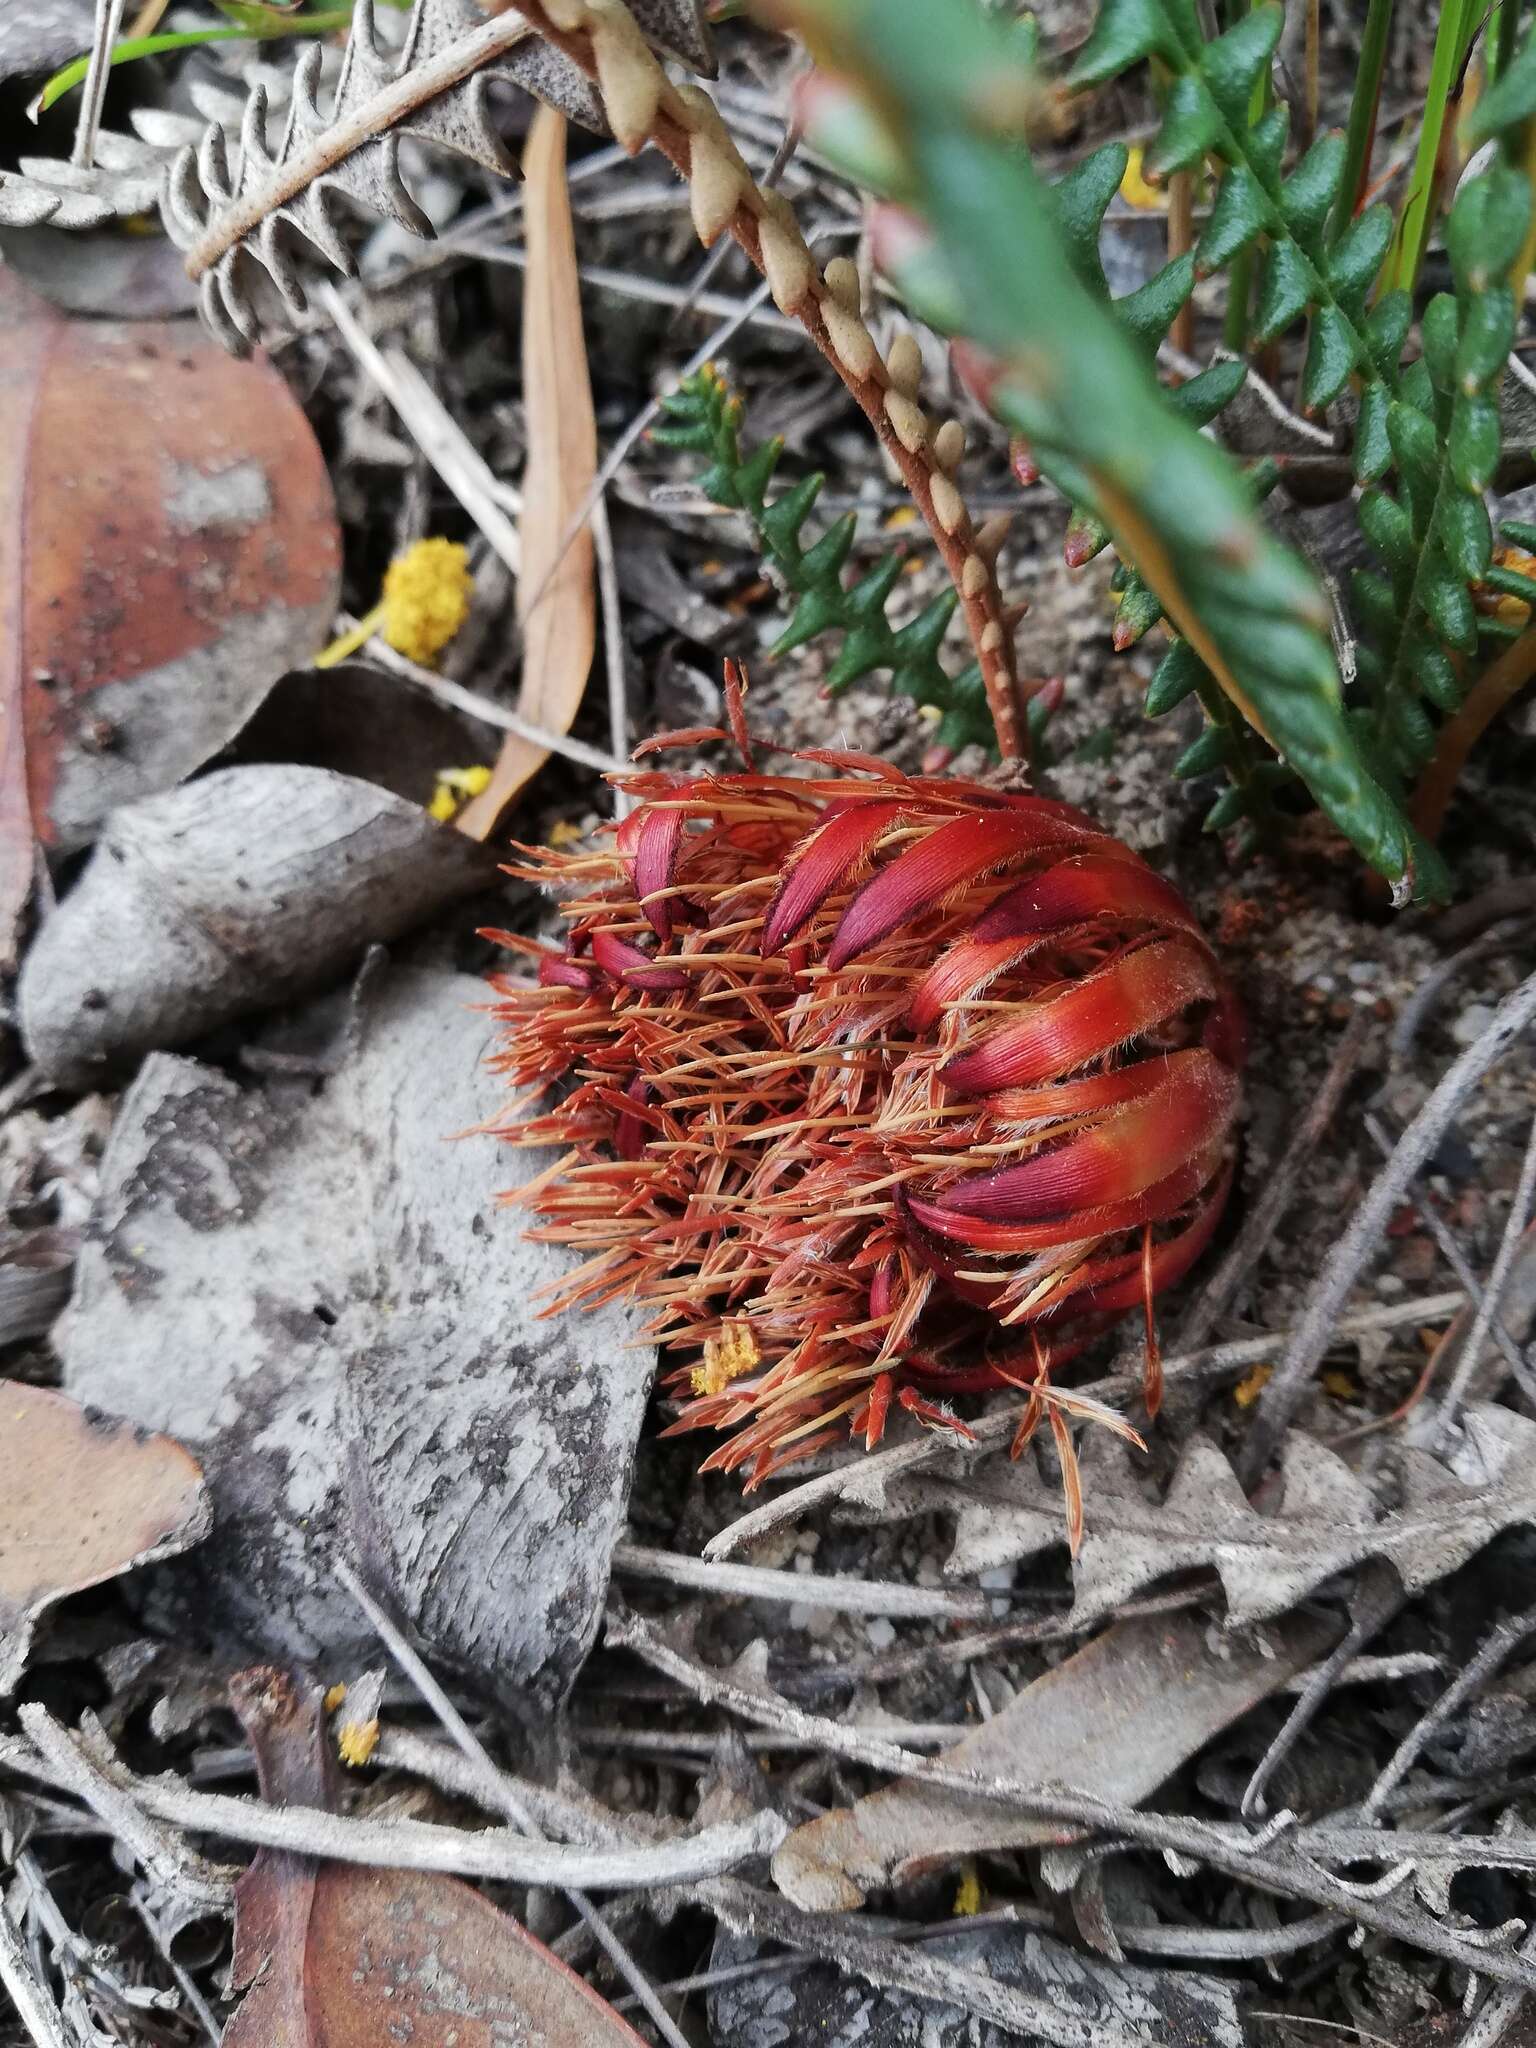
(425, 602)
(456, 786)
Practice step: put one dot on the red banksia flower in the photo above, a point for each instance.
(876, 1089)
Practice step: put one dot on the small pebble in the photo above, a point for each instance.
(799, 1615)
(881, 1633)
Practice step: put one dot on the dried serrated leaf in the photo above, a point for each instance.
(86, 1497)
(233, 212)
(1326, 1520)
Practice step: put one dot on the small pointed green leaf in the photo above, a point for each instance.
(919, 640)
(1307, 196)
(1191, 123)
(1290, 283)
(1411, 729)
(1465, 534)
(866, 600)
(1448, 603)
(1177, 676)
(1266, 144)
(1387, 329)
(866, 647)
(1147, 314)
(1375, 604)
(1487, 227)
(1237, 219)
(1416, 449)
(1440, 334)
(1487, 335)
(1520, 532)
(1385, 525)
(1473, 444)
(817, 612)
(1330, 358)
(1228, 809)
(1234, 63)
(1081, 200)
(1356, 259)
(783, 519)
(822, 562)
(694, 440)
(1435, 673)
(1205, 395)
(1213, 749)
(1124, 32)
(1373, 449)
(756, 473)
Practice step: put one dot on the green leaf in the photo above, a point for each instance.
(1213, 749)
(1487, 226)
(1178, 675)
(866, 647)
(1147, 314)
(1416, 448)
(866, 600)
(1081, 200)
(1440, 334)
(1235, 62)
(1387, 329)
(1487, 335)
(1230, 807)
(1448, 604)
(1308, 193)
(1290, 283)
(1330, 358)
(1435, 673)
(1373, 448)
(1202, 397)
(1465, 534)
(1510, 101)
(1124, 33)
(1237, 219)
(1385, 525)
(1191, 123)
(1473, 445)
(1359, 255)
(1376, 604)
(783, 519)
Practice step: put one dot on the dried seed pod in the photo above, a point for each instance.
(949, 444)
(850, 339)
(916, 1087)
(908, 420)
(948, 505)
(787, 263)
(842, 276)
(628, 76)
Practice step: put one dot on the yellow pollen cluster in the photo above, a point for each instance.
(426, 598)
(726, 1358)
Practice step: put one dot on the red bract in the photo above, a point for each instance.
(875, 1090)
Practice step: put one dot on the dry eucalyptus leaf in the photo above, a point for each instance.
(234, 892)
(1326, 1520)
(338, 1955)
(1117, 1718)
(180, 544)
(86, 1497)
(1163, 2008)
(315, 1289)
(556, 598)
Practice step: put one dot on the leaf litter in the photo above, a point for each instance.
(234, 1207)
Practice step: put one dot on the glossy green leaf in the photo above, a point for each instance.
(1238, 218)
(1330, 358)
(1290, 282)
(1310, 191)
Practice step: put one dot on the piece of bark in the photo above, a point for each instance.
(85, 1497)
(234, 892)
(318, 1292)
(1115, 1720)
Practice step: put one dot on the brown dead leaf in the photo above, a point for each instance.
(557, 606)
(86, 1497)
(168, 545)
(338, 1955)
(1120, 1715)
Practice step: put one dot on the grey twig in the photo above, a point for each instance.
(1282, 1396)
(1472, 1351)
(493, 1790)
(613, 643)
(758, 1582)
(1497, 1647)
(494, 1853)
(109, 19)
(34, 2002)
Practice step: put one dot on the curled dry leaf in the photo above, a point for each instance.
(86, 1497)
(338, 1955)
(1121, 1716)
(556, 602)
(309, 1287)
(236, 891)
(179, 537)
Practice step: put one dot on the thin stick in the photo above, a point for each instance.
(489, 712)
(1488, 1307)
(865, 1478)
(1282, 1396)
(1500, 2011)
(109, 19)
(1262, 1221)
(433, 428)
(656, 291)
(1506, 1637)
(757, 1582)
(496, 1853)
(493, 1789)
(613, 644)
(34, 2003)
(186, 1983)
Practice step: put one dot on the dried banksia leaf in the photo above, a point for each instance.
(874, 1088)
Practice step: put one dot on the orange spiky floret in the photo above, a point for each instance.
(876, 1086)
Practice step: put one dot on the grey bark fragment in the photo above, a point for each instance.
(318, 1295)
